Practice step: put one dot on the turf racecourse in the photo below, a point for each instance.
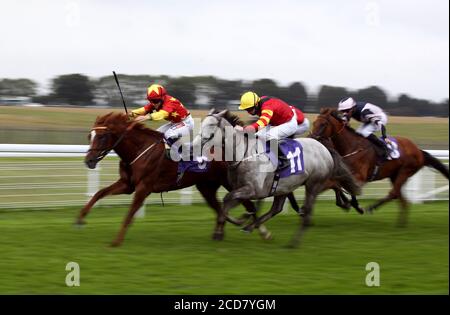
(170, 252)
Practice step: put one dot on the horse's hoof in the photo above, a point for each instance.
(345, 207)
(116, 243)
(247, 229)
(267, 236)
(291, 246)
(235, 221)
(79, 224)
(360, 211)
(401, 224)
(217, 236)
(307, 222)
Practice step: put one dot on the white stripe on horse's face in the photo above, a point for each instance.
(92, 136)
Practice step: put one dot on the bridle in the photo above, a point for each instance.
(319, 135)
(104, 152)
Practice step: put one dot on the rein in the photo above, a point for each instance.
(143, 152)
(353, 153)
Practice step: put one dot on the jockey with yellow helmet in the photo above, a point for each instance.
(277, 119)
(373, 119)
(163, 106)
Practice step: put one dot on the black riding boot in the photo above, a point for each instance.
(380, 146)
(170, 142)
(283, 161)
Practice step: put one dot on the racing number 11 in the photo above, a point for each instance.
(293, 158)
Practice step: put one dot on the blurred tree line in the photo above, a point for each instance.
(209, 91)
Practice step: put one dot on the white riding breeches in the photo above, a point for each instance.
(285, 130)
(177, 130)
(368, 128)
(303, 127)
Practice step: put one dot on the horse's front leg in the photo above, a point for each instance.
(117, 188)
(276, 208)
(251, 214)
(141, 193)
(355, 204)
(209, 192)
(341, 199)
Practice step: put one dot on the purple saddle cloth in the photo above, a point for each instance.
(193, 166)
(393, 148)
(292, 150)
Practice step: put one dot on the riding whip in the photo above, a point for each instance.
(120, 90)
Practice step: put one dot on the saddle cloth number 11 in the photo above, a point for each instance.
(294, 158)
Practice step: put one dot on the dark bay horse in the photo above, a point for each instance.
(360, 155)
(144, 169)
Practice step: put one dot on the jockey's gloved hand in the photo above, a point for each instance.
(137, 112)
(141, 118)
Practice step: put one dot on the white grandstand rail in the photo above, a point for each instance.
(44, 150)
(425, 185)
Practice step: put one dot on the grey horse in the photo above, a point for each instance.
(252, 174)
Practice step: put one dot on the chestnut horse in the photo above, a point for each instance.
(361, 157)
(144, 169)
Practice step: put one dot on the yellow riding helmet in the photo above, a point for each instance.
(249, 99)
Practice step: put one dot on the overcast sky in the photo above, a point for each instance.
(402, 46)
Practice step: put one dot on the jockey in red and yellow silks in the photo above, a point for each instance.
(277, 119)
(163, 106)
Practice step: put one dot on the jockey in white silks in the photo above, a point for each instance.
(373, 119)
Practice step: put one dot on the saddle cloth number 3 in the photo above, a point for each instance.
(294, 158)
(394, 153)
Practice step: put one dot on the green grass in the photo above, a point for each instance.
(170, 252)
(428, 136)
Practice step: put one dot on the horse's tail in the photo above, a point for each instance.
(435, 163)
(343, 175)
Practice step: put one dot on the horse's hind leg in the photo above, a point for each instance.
(117, 188)
(355, 204)
(311, 192)
(404, 206)
(398, 181)
(404, 210)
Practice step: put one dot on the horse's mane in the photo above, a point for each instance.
(119, 121)
(233, 119)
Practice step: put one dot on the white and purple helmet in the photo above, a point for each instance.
(346, 104)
